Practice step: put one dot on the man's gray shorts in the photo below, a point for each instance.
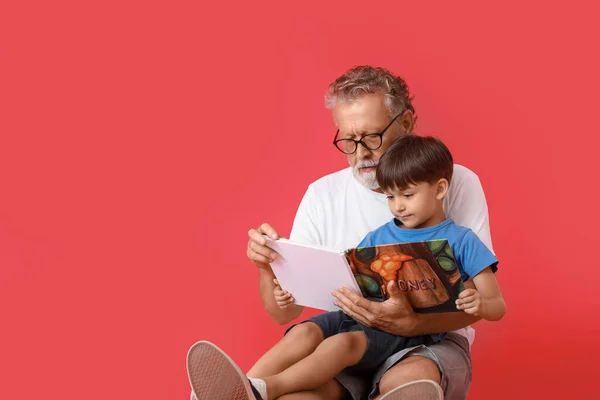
(451, 355)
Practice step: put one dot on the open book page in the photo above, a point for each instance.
(311, 273)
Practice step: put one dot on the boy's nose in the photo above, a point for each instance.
(399, 206)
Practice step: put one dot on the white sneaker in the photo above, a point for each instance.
(416, 390)
(214, 376)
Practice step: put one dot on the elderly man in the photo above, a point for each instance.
(371, 108)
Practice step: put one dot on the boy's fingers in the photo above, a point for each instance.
(466, 306)
(465, 300)
(466, 293)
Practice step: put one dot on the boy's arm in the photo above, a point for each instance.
(485, 300)
(280, 315)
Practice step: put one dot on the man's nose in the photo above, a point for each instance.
(362, 152)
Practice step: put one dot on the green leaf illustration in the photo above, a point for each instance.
(446, 263)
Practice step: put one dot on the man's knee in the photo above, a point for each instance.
(408, 370)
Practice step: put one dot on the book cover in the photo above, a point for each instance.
(425, 271)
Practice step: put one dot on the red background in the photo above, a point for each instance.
(139, 141)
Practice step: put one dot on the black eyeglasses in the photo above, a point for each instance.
(371, 141)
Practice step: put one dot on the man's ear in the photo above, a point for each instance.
(407, 121)
(441, 189)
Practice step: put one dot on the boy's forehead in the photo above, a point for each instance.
(401, 189)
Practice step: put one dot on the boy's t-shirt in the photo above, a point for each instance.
(472, 256)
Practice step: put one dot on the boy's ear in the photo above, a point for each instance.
(442, 188)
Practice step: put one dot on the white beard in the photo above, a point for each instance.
(367, 179)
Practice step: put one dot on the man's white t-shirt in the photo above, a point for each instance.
(338, 212)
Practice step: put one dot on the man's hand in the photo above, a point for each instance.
(395, 315)
(283, 298)
(258, 252)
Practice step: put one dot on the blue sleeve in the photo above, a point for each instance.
(474, 256)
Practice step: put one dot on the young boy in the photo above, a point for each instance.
(415, 174)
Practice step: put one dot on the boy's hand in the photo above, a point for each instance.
(282, 297)
(469, 300)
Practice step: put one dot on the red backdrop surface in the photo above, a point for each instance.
(139, 141)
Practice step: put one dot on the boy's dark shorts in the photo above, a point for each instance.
(381, 345)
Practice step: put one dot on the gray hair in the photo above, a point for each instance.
(366, 79)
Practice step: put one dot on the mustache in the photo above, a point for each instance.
(366, 164)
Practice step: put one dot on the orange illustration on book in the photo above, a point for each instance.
(388, 265)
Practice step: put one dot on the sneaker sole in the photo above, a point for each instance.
(214, 376)
(417, 390)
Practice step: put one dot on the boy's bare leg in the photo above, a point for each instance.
(329, 359)
(297, 344)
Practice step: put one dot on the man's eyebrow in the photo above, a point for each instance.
(360, 133)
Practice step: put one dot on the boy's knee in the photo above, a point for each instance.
(408, 370)
(350, 342)
(308, 331)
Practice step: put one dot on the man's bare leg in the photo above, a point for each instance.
(408, 370)
(299, 342)
(332, 390)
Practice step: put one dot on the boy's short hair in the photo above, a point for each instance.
(413, 159)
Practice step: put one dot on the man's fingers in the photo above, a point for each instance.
(262, 250)
(352, 313)
(355, 306)
(354, 299)
(268, 230)
(257, 258)
(256, 236)
(392, 288)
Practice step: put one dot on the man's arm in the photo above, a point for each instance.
(396, 316)
(305, 231)
(467, 204)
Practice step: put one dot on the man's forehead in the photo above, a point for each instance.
(353, 123)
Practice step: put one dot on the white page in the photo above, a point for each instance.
(310, 273)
